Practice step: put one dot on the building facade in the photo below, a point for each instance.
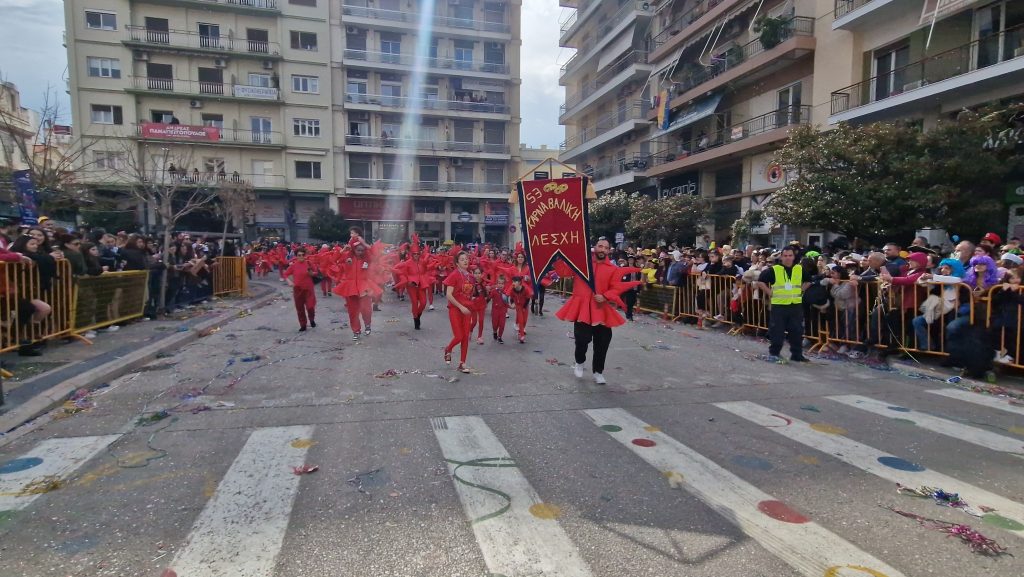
(730, 78)
(318, 104)
(18, 127)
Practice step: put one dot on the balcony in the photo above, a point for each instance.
(411, 19)
(747, 137)
(424, 188)
(143, 38)
(617, 173)
(620, 122)
(985, 65)
(206, 135)
(603, 30)
(251, 7)
(686, 24)
(398, 144)
(197, 89)
(378, 101)
(573, 24)
(631, 66)
(390, 60)
(744, 64)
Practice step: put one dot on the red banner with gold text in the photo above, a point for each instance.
(555, 224)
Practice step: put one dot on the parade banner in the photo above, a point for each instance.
(555, 224)
(26, 196)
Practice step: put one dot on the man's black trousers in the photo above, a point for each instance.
(602, 337)
(786, 319)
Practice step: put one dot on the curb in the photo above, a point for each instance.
(933, 372)
(56, 395)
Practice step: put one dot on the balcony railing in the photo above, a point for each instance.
(269, 5)
(737, 55)
(958, 61)
(422, 144)
(684, 20)
(413, 18)
(424, 185)
(194, 40)
(844, 7)
(606, 76)
(623, 165)
(635, 111)
(787, 116)
(204, 88)
(439, 63)
(227, 136)
(424, 103)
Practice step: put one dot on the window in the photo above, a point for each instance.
(356, 41)
(306, 84)
(104, 67)
(463, 173)
(157, 30)
(306, 127)
(303, 40)
(214, 120)
(391, 127)
(429, 170)
(355, 91)
(463, 54)
(261, 129)
(463, 131)
(494, 133)
(162, 116)
(259, 79)
(303, 2)
(159, 76)
(388, 167)
(211, 81)
(390, 94)
(890, 72)
(307, 169)
(108, 160)
(428, 129)
(258, 40)
(391, 47)
(106, 114)
(209, 35)
(214, 166)
(358, 167)
(495, 173)
(100, 20)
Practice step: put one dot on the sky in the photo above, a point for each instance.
(31, 56)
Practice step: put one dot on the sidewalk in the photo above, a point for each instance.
(39, 383)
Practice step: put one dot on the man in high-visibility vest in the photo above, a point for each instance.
(784, 284)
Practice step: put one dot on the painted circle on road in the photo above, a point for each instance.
(652, 429)
(644, 443)
(898, 409)
(611, 428)
(545, 511)
(782, 512)
(751, 462)
(19, 465)
(1002, 522)
(841, 571)
(828, 429)
(900, 464)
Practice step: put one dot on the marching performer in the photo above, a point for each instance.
(519, 295)
(499, 308)
(459, 286)
(299, 276)
(417, 276)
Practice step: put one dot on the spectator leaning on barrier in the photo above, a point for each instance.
(35, 310)
(784, 284)
(71, 247)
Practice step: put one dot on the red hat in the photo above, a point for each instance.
(918, 257)
(992, 237)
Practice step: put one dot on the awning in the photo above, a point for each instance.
(939, 9)
(698, 110)
(622, 43)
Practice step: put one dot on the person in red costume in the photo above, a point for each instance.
(592, 313)
(479, 307)
(519, 295)
(357, 285)
(299, 276)
(499, 308)
(459, 286)
(417, 276)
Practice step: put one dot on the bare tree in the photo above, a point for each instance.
(237, 203)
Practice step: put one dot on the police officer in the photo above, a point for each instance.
(785, 283)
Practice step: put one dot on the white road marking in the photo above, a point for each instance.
(980, 399)
(807, 547)
(241, 529)
(935, 424)
(59, 457)
(871, 460)
(501, 504)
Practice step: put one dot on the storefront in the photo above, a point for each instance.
(497, 219)
(384, 219)
(271, 220)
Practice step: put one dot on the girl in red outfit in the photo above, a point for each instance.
(459, 285)
(299, 275)
(357, 286)
(479, 307)
(417, 276)
(499, 308)
(519, 294)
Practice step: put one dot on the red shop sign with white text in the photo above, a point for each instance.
(180, 132)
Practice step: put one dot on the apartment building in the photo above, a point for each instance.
(314, 102)
(730, 78)
(427, 123)
(18, 126)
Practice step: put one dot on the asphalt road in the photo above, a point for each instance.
(696, 459)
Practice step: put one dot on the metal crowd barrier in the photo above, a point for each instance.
(229, 277)
(109, 299)
(19, 286)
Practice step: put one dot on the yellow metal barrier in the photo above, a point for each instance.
(20, 285)
(109, 299)
(658, 299)
(229, 276)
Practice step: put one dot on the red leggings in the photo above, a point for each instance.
(460, 333)
(522, 314)
(359, 306)
(325, 287)
(418, 300)
(498, 320)
(477, 322)
(305, 304)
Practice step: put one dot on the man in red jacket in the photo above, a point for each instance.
(299, 275)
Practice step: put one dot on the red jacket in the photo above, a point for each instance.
(521, 298)
(303, 273)
(581, 306)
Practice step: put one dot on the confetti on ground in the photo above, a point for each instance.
(305, 469)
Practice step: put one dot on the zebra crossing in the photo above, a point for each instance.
(240, 529)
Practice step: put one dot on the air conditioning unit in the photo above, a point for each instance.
(268, 64)
(195, 103)
(220, 62)
(643, 6)
(352, 30)
(456, 162)
(140, 55)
